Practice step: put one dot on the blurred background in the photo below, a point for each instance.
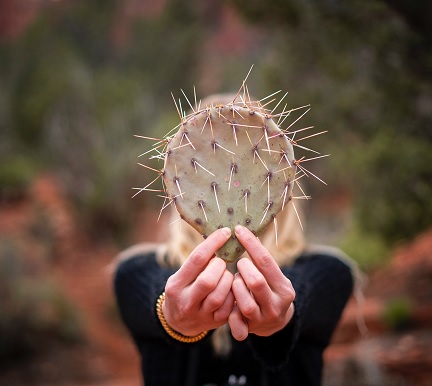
(78, 79)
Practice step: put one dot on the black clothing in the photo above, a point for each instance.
(292, 356)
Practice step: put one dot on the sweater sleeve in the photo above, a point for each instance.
(323, 285)
(138, 282)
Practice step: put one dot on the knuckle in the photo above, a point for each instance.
(266, 259)
(205, 284)
(183, 311)
(249, 310)
(274, 313)
(286, 290)
(256, 283)
(218, 265)
(198, 257)
(215, 301)
(285, 305)
(170, 287)
(293, 292)
(289, 295)
(242, 264)
(221, 315)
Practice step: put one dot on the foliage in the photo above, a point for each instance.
(16, 174)
(74, 92)
(73, 100)
(363, 66)
(367, 248)
(398, 313)
(396, 186)
(34, 310)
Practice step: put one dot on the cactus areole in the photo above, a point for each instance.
(229, 164)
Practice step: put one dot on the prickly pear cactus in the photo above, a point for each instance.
(229, 164)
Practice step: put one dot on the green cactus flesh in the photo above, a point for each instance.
(229, 164)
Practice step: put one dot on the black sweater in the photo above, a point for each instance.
(292, 356)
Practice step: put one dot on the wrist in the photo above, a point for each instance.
(169, 330)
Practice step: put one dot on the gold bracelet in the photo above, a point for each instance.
(172, 333)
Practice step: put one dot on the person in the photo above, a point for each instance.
(196, 321)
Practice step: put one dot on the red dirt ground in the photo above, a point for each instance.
(83, 271)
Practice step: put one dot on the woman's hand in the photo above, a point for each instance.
(198, 296)
(264, 296)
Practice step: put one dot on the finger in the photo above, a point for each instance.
(200, 256)
(256, 283)
(216, 298)
(260, 255)
(207, 280)
(222, 313)
(244, 300)
(238, 326)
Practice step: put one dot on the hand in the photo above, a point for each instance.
(263, 294)
(198, 296)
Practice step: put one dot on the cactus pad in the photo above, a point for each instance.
(230, 163)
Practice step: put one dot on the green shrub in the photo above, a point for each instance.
(16, 174)
(34, 309)
(367, 249)
(398, 313)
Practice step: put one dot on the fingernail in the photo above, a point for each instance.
(239, 229)
(226, 231)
